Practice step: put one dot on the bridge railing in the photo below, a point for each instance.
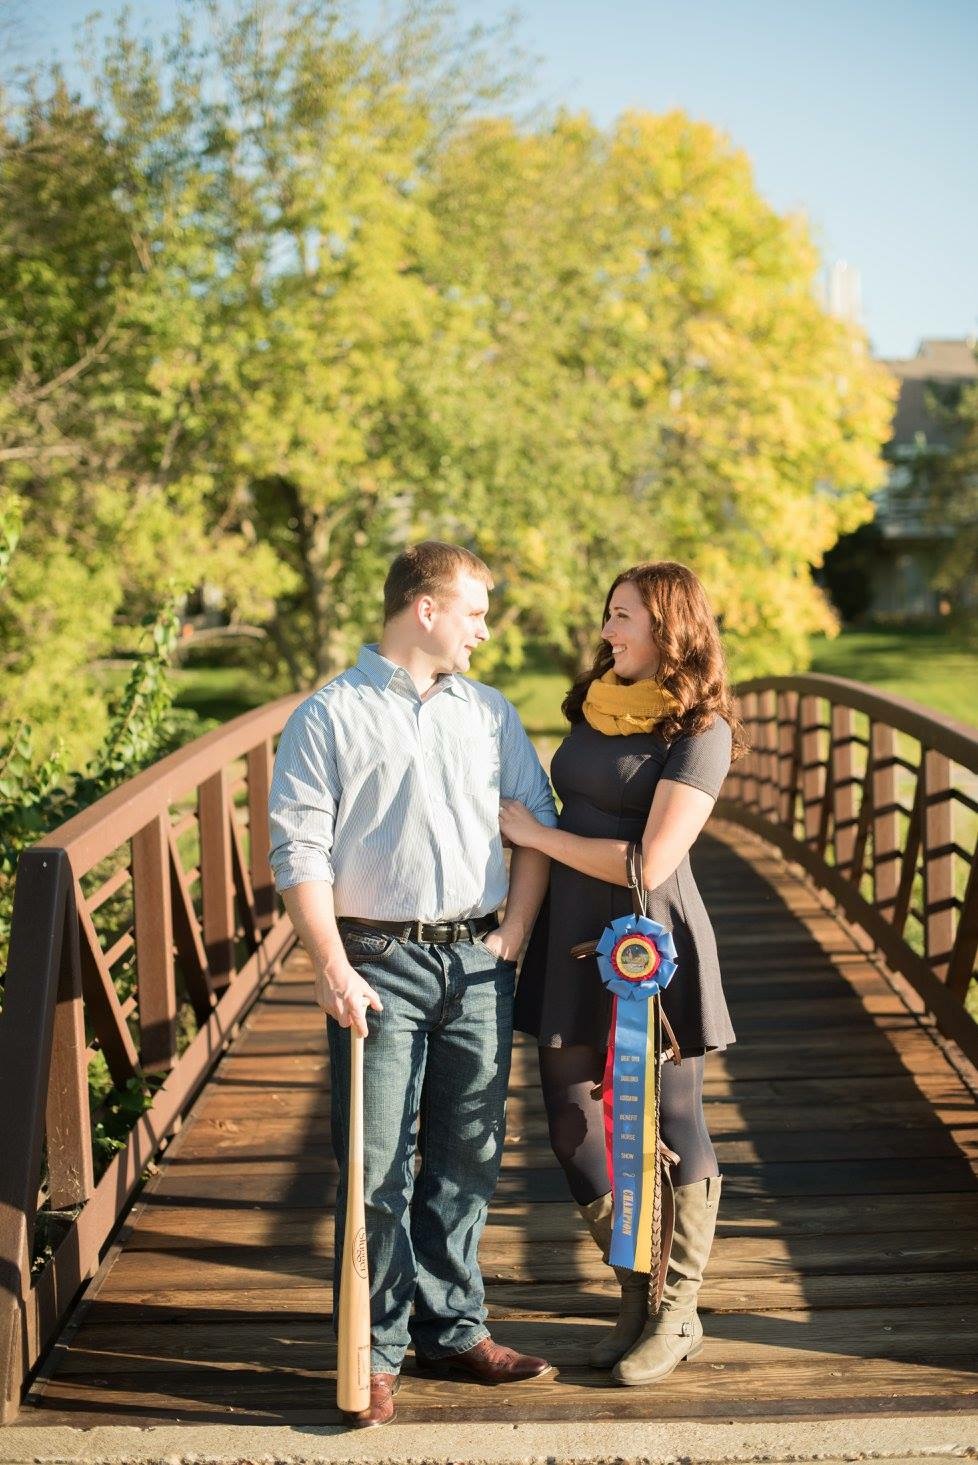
(142, 929)
(877, 799)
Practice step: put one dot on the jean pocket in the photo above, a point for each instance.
(502, 961)
(365, 945)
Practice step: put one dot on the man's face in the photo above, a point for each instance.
(458, 623)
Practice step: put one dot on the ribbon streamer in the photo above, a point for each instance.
(636, 960)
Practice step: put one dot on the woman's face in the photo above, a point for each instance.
(628, 631)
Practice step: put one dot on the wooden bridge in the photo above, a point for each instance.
(178, 1270)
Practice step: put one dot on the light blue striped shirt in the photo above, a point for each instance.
(395, 800)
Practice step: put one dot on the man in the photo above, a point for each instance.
(386, 848)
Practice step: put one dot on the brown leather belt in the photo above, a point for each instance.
(430, 933)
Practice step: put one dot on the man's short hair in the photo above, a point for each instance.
(430, 568)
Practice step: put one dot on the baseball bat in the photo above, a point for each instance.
(353, 1344)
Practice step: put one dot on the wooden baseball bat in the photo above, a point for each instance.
(353, 1350)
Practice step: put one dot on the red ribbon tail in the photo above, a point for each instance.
(607, 1094)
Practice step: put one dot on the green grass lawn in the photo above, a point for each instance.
(221, 692)
(932, 667)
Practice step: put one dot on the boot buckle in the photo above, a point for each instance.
(687, 1329)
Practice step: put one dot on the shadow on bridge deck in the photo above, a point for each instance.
(844, 1280)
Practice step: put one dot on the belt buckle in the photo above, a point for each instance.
(416, 929)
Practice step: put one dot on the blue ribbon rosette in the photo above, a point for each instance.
(636, 957)
(636, 961)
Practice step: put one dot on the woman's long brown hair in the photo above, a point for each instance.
(692, 665)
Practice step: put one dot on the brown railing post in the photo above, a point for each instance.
(153, 912)
(42, 903)
(69, 1149)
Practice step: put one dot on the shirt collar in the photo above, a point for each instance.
(386, 675)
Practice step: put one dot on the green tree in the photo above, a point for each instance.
(944, 481)
(655, 379)
(105, 485)
(340, 298)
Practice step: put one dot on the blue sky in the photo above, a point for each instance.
(864, 113)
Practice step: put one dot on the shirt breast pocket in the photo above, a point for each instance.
(474, 760)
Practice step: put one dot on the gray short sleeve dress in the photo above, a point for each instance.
(606, 784)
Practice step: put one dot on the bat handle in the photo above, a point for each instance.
(353, 1359)
(355, 1149)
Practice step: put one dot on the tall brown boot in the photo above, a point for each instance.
(676, 1332)
(633, 1308)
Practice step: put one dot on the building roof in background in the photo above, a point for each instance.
(935, 359)
(937, 363)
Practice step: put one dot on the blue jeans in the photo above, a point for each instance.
(436, 1071)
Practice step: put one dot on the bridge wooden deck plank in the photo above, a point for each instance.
(736, 1336)
(845, 1276)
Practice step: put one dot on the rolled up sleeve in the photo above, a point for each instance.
(521, 776)
(303, 800)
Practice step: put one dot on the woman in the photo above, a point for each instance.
(652, 735)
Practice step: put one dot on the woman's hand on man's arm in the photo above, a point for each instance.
(676, 817)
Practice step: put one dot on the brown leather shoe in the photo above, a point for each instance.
(380, 1410)
(488, 1362)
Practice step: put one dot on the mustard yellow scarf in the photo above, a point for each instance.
(612, 706)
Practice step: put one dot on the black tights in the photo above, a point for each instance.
(571, 1079)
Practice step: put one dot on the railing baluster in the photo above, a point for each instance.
(908, 861)
(787, 757)
(216, 878)
(152, 906)
(962, 964)
(886, 825)
(812, 769)
(102, 1001)
(242, 889)
(769, 751)
(259, 837)
(938, 834)
(749, 782)
(843, 787)
(188, 941)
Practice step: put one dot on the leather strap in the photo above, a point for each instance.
(667, 1225)
(640, 905)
